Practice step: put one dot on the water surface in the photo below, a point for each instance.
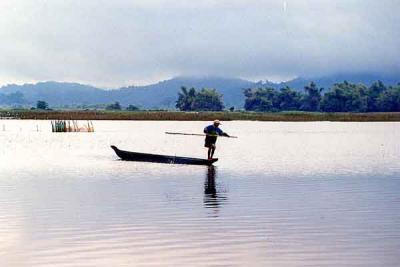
(282, 194)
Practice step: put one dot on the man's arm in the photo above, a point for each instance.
(222, 133)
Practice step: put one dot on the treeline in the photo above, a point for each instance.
(116, 106)
(17, 100)
(341, 97)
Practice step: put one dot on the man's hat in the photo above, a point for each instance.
(217, 122)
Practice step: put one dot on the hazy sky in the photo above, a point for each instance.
(120, 42)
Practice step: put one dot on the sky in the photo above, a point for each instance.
(125, 42)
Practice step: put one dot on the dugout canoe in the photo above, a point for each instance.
(136, 156)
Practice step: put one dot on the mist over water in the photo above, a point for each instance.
(282, 194)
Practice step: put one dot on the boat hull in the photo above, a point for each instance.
(135, 156)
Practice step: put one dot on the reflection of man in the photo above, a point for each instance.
(209, 185)
(212, 132)
(211, 198)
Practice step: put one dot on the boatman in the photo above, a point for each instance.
(212, 132)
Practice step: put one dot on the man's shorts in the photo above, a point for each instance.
(210, 141)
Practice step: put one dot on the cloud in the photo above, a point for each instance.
(113, 43)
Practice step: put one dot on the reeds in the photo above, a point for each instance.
(58, 126)
(200, 116)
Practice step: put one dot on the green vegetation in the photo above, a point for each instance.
(43, 105)
(389, 100)
(261, 99)
(345, 97)
(342, 97)
(70, 126)
(311, 99)
(132, 108)
(114, 106)
(204, 100)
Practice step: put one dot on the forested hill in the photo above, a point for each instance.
(162, 94)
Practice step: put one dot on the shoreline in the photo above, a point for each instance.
(197, 116)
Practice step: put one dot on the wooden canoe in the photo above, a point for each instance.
(135, 156)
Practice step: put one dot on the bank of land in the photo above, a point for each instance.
(195, 116)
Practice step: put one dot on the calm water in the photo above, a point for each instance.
(282, 194)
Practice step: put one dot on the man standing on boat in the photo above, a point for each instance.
(212, 132)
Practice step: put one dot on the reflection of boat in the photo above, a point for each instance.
(135, 156)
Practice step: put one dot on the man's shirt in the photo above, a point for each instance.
(211, 129)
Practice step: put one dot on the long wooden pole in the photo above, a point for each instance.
(200, 134)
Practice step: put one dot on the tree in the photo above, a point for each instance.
(186, 99)
(261, 99)
(114, 106)
(42, 104)
(345, 97)
(374, 91)
(204, 100)
(208, 100)
(312, 98)
(288, 99)
(389, 100)
(132, 108)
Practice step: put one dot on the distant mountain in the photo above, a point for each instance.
(164, 94)
(159, 95)
(59, 94)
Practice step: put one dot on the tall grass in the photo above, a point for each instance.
(197, 116)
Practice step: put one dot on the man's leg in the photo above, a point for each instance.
(212, 151)
(209, 152)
